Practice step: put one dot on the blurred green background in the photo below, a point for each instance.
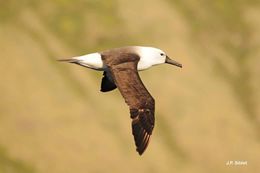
(54, 119)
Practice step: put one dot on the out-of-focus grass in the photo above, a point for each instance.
(226, 37)
(10, 165)
(54, 119)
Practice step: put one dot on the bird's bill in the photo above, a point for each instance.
(172, 62)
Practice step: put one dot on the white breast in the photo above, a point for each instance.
(143, 65)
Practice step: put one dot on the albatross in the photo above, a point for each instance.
(120, 68)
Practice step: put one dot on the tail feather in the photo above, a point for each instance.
(71, 60)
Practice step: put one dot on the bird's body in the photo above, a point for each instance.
(120, 66)
(146, 54)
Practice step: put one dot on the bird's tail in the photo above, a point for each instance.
(70, 60)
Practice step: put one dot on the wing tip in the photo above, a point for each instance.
(141, 134)
(141, 138)
(141, 149)
(139, 152)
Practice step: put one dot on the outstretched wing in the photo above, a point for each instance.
(139, 100)
(106, 83)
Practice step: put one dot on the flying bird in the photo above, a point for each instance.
(120, 68)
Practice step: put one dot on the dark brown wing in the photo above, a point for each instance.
(141, 103)
(107, 84)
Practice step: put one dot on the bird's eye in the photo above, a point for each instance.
(161, 54)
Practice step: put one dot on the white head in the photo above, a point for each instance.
(150, 56)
